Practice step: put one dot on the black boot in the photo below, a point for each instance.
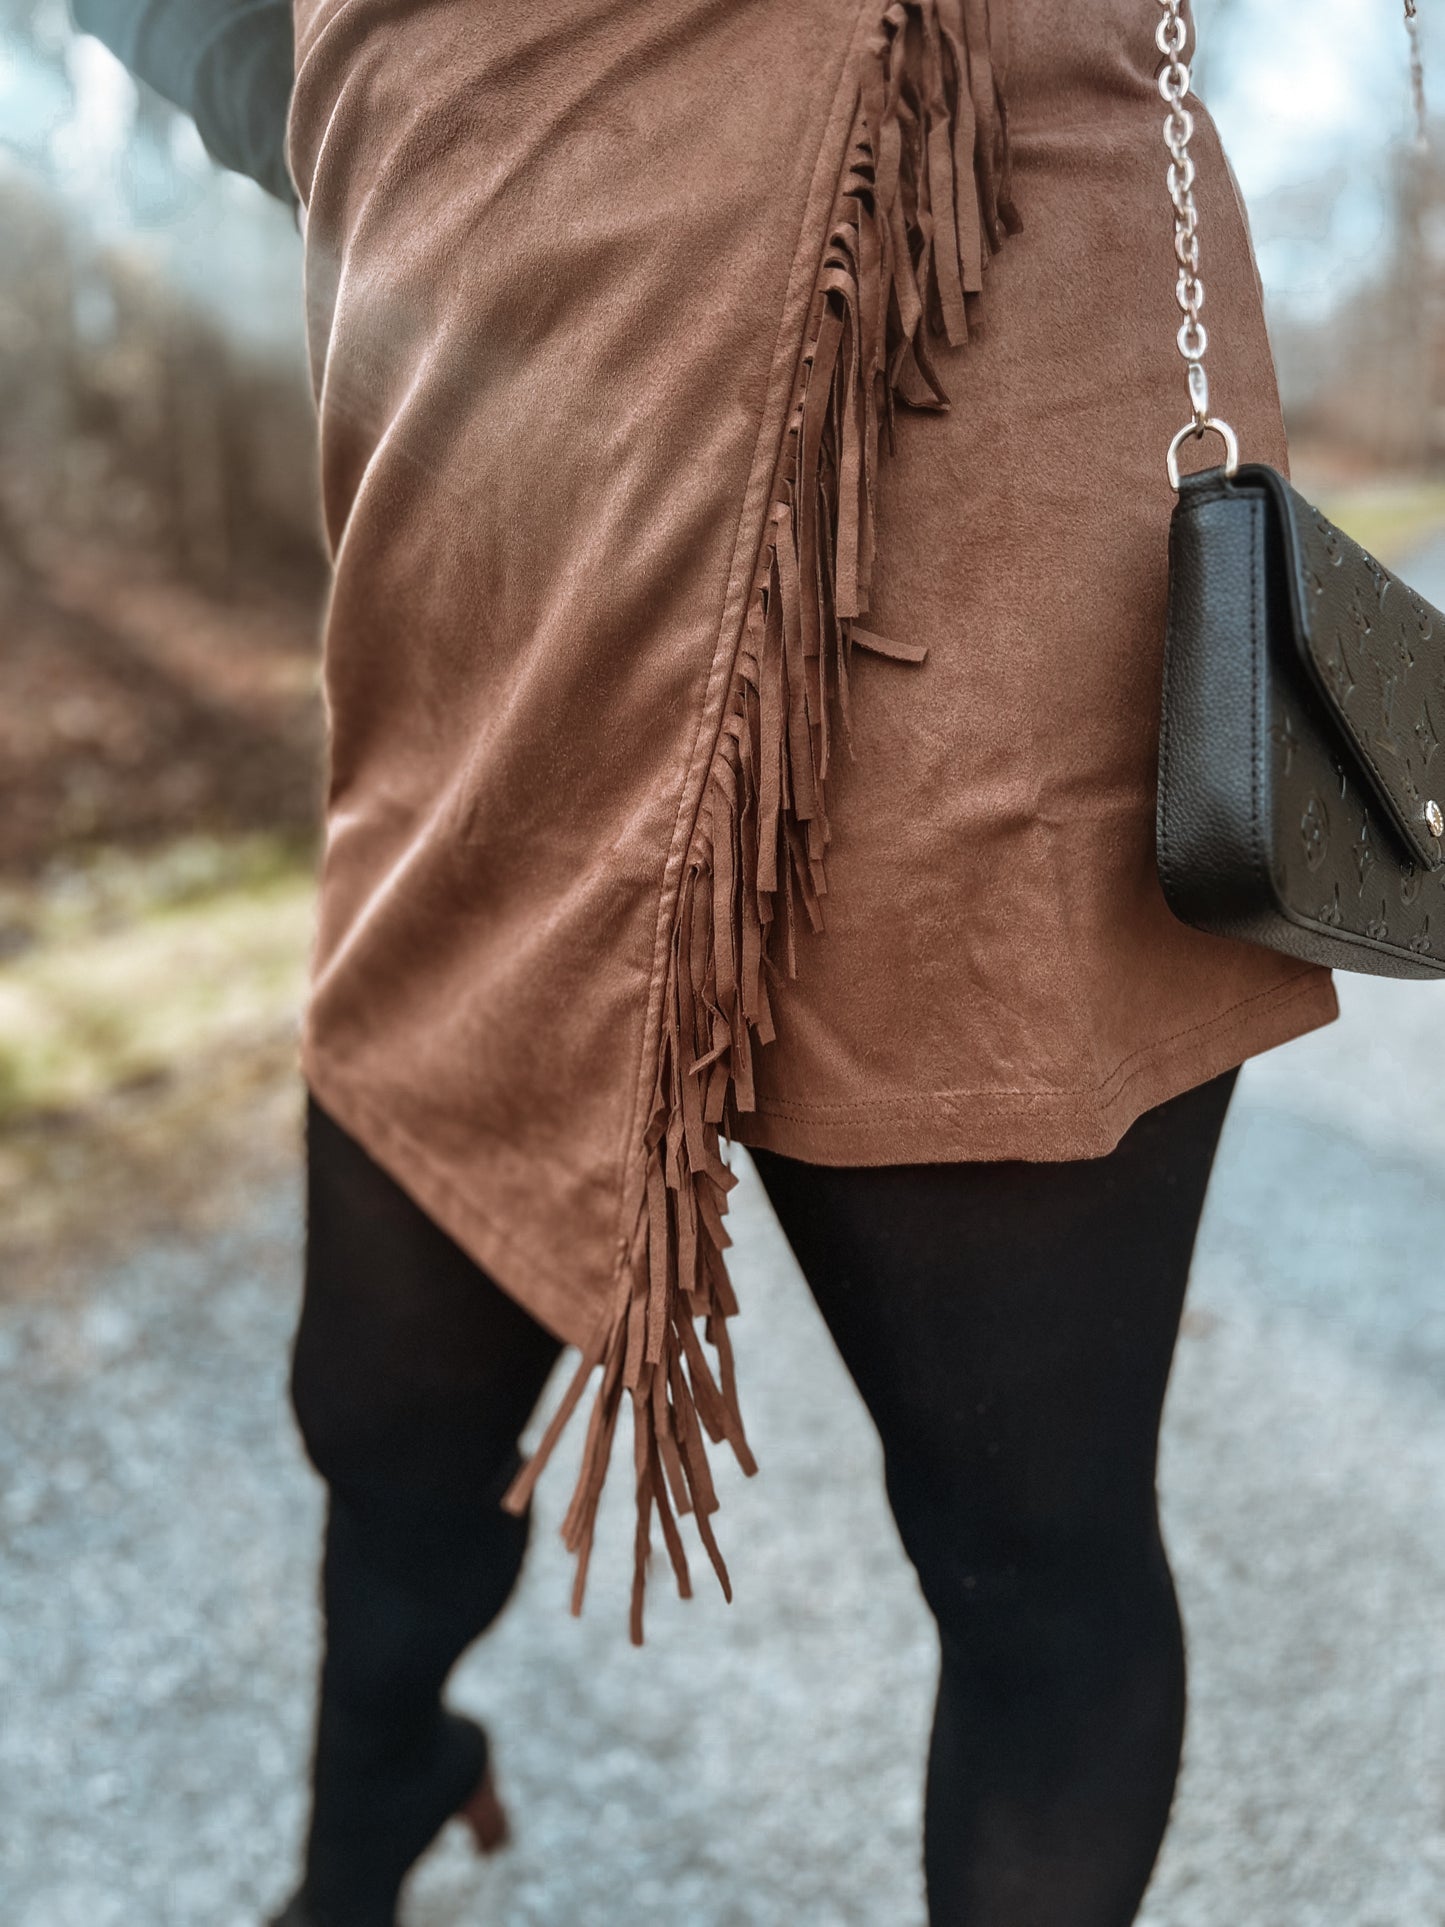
(406, 1586)
(376, 1816)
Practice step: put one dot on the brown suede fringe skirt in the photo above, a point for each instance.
(742, 430)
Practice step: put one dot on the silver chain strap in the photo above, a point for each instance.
(1172, 37)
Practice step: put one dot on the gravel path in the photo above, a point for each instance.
(757, 1766)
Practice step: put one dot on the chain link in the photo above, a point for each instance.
(1172, 38)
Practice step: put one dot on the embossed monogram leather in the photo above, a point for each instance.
(1302, 747)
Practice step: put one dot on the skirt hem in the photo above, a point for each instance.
(563, 1306)
(1045, 1126)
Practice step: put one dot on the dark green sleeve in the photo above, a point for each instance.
(229, 64)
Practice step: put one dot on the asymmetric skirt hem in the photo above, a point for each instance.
(1044, 1126)
(561, 1304)
(950, 1126)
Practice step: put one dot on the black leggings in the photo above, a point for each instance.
(1010, 1328)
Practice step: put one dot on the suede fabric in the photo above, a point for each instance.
(1001, 977)
(600, 579)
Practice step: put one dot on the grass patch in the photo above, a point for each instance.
(148, 1017)
(120, 971)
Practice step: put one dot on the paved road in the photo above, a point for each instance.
(758, 1766)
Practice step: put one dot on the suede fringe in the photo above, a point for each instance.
(922, 204)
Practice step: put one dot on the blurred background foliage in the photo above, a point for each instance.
(161, 579)
(161, 572)
(1348, 218)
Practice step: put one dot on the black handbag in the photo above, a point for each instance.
(1302, 738)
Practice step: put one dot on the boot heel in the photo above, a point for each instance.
(375, 1835)
(486, 1816)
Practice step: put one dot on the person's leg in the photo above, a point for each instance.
(413, 1376)
(1011, 1327)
